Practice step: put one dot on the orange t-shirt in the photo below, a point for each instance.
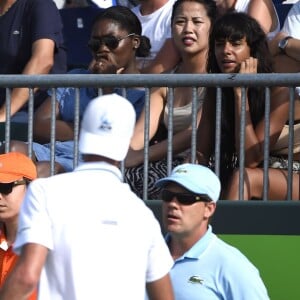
(7, 261)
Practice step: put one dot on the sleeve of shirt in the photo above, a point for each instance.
(160, 261)
(34, 221)
(291, 25)
(45, 21)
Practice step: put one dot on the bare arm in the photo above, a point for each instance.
(264, 12)
(136, 151)
(254, 137)
(160, 289)
(206, 129)
(41, 62)
(292, 49)
(42, 124)
(181, 140)
(25, 276)
(165, 59)
(156, 107)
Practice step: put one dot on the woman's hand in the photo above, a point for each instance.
(248, 66)
(103, 63)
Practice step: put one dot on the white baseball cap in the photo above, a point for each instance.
(107, 127)
(195, 178)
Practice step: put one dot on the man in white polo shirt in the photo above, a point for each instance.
(85, 234)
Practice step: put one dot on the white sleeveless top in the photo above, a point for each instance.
(182, 116)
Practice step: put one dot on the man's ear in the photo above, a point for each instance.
(210, 208)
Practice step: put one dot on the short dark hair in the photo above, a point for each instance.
(127, 20)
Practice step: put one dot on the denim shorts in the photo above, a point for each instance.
(64, 153)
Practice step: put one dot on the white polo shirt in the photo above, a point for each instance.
(104, 243)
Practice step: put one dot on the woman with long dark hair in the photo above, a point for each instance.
(191, 23)
(239, 45)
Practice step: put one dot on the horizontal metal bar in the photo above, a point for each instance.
(149, 80)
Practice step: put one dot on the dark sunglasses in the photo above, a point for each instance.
(183, 198)
(6, 188)
(110, 41)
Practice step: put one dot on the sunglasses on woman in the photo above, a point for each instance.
(183, 198)
(110, 41)
(6, 188)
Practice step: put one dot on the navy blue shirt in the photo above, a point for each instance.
(24, 23)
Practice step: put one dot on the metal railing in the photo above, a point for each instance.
(158, 80)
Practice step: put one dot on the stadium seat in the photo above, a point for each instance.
(77, 23)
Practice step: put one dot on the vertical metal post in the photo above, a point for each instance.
(218, 131)
(242, 145)
(266, 144)
(146, 143)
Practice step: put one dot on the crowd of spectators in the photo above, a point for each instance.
(201, 37)
(185, 50)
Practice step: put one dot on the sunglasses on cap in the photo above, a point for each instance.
(183, 198)
(110, 41)
(6, 188)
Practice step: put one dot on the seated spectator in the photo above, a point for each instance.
(239, 45)
(16, 172)
(115, 41)
(191, 25)
(37, 31)
(285, 48)
(262, 10)
(205, 267)
(155, 17)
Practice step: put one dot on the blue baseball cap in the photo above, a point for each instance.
(195, 178)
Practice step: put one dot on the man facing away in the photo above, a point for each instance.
(85, 234)
(205, 267)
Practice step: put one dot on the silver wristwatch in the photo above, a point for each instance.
(283, 43)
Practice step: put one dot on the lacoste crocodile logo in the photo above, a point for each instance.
(195, 279)
(181, 171)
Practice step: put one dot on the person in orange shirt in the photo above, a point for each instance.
(16, 171)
